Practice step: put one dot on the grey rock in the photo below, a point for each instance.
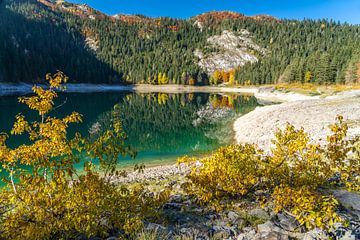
(217, 228)
(185, 230)
(260, 213)
(233, 217)
(315, 234)
(198, 210)
(175, 198)
(247, 235)
(286, 222)
(348, 236)
(155, 227)
(173, 206)
(269, 231)
(349, 200)
(218, 232)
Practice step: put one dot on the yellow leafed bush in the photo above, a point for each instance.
(289, 176)
(45, 197)
(235, 175)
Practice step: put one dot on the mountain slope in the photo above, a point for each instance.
(41, 36)
(35, 41)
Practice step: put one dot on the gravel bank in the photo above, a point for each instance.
(313, 113)
(153, 173)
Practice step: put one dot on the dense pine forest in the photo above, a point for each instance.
(43, 36)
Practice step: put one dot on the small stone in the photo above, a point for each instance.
(219, 232)
(233, 217)
(185, 230)
(286, 222)
(112, 238)
(198, 210)
(266, 227)
(269, 231)
(315, 234)
(247, 235)
(175, 198)
(216, 228)
(259, 213)
(348, 236)
(173, 206)
(155, 227)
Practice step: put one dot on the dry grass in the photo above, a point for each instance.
(314, 89)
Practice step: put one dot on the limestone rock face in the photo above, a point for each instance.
(92, 44)
(229, 50)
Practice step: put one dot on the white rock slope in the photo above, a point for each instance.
(232, 50)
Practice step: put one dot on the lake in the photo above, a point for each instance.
(160, 126)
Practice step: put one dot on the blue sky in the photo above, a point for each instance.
(342, 10)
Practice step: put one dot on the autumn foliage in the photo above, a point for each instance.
(288, 178)
(223, 77)
(218, 17)
(45, 196)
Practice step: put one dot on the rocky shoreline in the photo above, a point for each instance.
(183, 218)
(258, 126)
(245, 220)
(314, 114)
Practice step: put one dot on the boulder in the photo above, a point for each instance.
(260, 213)
(349, 200)
(268, 231)
(286, 222)
(233, 216)
(315, 234)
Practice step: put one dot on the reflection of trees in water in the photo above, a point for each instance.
(164, 122)
(223, 110)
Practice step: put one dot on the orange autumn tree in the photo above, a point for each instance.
(46, 198)
(222, 76)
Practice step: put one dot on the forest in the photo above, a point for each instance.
(38, 37)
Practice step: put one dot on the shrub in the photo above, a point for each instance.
(235, 175)
(45, 197)
(289, 177)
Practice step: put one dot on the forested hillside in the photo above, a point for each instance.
(37, 37)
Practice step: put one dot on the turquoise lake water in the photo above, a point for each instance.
(160, 126)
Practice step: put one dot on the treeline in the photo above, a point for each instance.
(320, 52)
(160, 51)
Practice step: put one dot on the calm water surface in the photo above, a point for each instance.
(160, 126)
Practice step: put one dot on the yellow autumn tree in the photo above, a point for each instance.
(192, 81)
(216, 77)
(232, 77)
(225, 76)
(308, 77)
(162, 78)
(46, 198)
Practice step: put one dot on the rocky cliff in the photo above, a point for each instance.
(229, 51)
